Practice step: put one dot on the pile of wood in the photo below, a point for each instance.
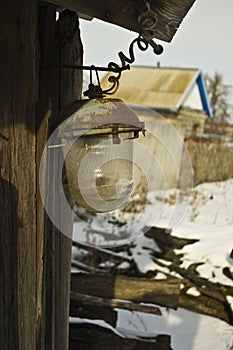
(94, 337)
(113, 281)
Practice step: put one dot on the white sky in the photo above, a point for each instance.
(204, 40)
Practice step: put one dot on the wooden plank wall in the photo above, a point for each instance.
(18, 175)
(59, 43)
(34, 256)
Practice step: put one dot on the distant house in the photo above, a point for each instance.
(179, 94)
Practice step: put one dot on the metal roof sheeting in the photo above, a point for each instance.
(162, 88)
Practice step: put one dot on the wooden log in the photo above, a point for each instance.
(96, 258)
(114, 304)
(90, 336)
(207, 306)
(210, 289)
(166, 241)
(85, 307)
(161, 292)
(46, 35)
(56, 89)
(68, 84)
(96, 268)
(212, 299)
(102, 252)
(86, 268)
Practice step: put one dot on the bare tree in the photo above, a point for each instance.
(219, 94)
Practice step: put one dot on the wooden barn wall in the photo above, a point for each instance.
(18, 175)
(34, 256)
(59, 44)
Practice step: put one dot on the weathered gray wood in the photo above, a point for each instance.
(167, 243)
(114, 304)
(57, 88)
(168, 14)
(212, 300)
(84, 267)
(70, 85)
(89, 336)
(161, 292)
(46, 38)
(68, 35)
(25, 311)
(207, 306)
(18, 309)
(83, 306)
(101, 252)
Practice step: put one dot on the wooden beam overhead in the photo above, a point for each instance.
(168, 14)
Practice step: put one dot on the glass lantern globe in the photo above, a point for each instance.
(98, 152)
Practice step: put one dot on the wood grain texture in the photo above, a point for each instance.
(57, 88)
(18, 175)
(45, 283)
(111, 304)
(124, 13)
(161, 292)
(89, 336)
(8, 267)
(89, 307)
(34, 256)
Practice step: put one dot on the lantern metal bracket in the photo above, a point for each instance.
(143, 43)
(147, 21)
(95, 91)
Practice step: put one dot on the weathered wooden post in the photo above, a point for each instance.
(34, 256)
(59, 44)
(18, 239)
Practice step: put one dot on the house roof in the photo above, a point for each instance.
(167, 15)
(160, 88)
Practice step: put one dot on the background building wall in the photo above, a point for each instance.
(189, 122)
(162, 156)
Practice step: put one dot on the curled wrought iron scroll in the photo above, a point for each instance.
(147, 22)
(143, 45)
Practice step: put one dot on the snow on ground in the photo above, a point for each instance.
(208, 218)
(212, 203)
(213, 249)
(188, 330)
